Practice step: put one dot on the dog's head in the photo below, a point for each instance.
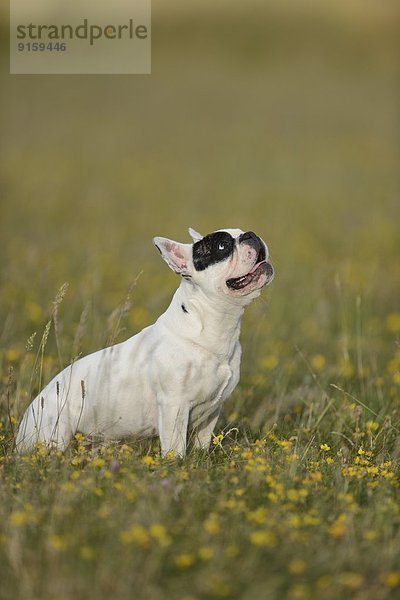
(229, 261)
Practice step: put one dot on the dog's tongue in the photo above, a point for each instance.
(240, 282)
(256, 266)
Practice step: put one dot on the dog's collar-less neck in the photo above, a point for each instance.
(208, 322)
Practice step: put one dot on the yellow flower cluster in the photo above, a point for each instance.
(143, 536)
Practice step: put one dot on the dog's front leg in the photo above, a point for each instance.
(202, 435)
(172, 426)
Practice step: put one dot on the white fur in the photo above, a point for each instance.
(170, 378)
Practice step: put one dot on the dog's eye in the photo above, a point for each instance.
(221, 246)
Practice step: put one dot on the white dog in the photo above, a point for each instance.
(174, 375)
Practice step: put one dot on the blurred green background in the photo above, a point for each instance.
(276, 117)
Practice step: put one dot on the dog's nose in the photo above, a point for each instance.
(249, 235)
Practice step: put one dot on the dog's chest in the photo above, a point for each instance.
(213, 384)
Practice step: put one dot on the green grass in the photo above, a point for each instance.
(255, 117)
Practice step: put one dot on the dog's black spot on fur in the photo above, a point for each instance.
(212, 249)
(183, 307)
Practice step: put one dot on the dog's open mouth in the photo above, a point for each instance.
(260, 267)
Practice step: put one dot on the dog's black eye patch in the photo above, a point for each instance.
(213, 248)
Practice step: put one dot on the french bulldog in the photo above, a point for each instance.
(174, 376)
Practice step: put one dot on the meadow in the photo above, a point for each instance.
(259, 116)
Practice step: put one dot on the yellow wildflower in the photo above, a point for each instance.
(159, 533)
(19, 518)
(206, 553)
(148, 460)
(136, 534)
(211, 524)
(184, 560)
(372, 426)
(285, 444)
(263, 537)
(183, 474)
(370, 535)
(57, 542)
(217, 439)
(258, 516)
(171, 455)
(393, 322)
(269, 362)
(297, 566)
(294, 495)
(391, 579)
(318, 362)
(13, 354)
(68, 486)
(294, 521)
(338, 528)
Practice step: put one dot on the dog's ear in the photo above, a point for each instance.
(177, 256)
(195, 235)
